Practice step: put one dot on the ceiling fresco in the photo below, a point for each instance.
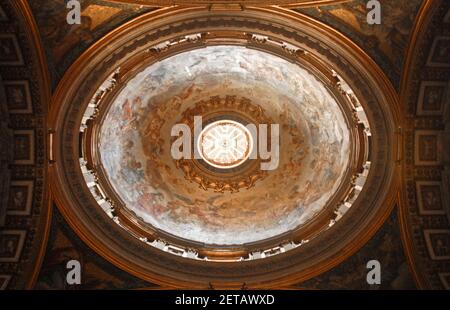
(224, 224)
(386, 43)
(314, 146)
(385, 246)
(99, 274)
(63, 42)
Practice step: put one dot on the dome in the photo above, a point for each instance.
(225, 144)
(229, 83)
(207, 147)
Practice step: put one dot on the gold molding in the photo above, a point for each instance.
(206, 179)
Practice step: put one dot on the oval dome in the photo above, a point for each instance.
(249, 87)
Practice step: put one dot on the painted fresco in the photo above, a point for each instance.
(135, 146)
(64, 42)
(97, 273)
(386, 247)
(386, 43)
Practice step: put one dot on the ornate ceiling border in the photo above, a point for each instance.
(421, 20)
(36, 169)
(416, 223)
(283, 269)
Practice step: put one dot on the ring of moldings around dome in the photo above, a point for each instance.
(253, 28)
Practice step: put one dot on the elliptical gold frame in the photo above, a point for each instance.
(282, 270)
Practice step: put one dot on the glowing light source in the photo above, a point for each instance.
(225, 144)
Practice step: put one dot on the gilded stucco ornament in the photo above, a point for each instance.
(230, 106)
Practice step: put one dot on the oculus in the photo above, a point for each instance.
(225, 144)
